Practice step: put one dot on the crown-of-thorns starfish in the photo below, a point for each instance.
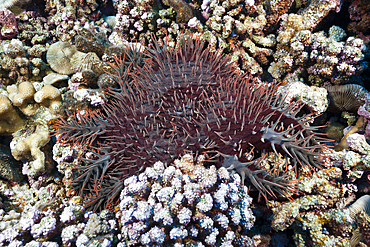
(188, 99)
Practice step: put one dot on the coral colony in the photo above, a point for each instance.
(184, 123)
(188, 99)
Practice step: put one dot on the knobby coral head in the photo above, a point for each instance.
(189, 99)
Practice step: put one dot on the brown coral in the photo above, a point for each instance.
(9, 118)
(183, 10)
(24, 98)
(346, 97)
(59, 57)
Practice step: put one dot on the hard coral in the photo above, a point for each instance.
(186, 204)
(86, 41)
(30, 148)
(360, 17)
(10, 121)
(23, 97)
(59, 57)
(69, 16)
(183, 10)
(327, 59)
(8, 24)
(22, 63)
(50, 97)
(188, 98)
(9, 168)
(359, 211)
(317, 218)
(347, 97)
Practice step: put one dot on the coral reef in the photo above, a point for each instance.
(327, 59)
(244, 29)
(59, 57)
(317, 218)
(86, 42)
(359, 211)
(54, 223)
(347, 97)
(23, 97)
(34, 29)
(28, 100)
(313, 97)
(11, 3)
(233, 85)
(363, 111)
(359, 14)
(22, 63)
(347, 132)
(49, 97)
(69, 16)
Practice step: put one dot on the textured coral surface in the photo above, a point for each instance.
(270, 99)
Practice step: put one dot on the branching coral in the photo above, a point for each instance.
(317, 217)
(246, 29)
(69, 16)
(328, 59)
(185, 203)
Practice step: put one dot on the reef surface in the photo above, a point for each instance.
(184, 123)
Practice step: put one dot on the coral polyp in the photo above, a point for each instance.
(189, 99)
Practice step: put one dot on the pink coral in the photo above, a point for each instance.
(8, 24)
(362, 111)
